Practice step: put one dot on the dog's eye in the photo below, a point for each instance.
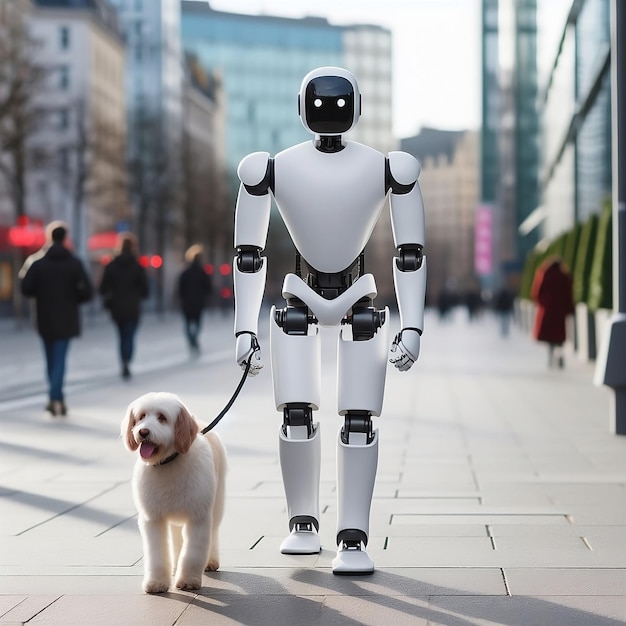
(162, 419)
(140, 417)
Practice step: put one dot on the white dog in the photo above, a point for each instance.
(183, 495)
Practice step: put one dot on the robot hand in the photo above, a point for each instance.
(405, 349)
(248, 348)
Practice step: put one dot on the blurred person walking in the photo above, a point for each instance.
(123, 286)
(59, 283)
(194, 288)
(552, 291)
(35, 256)
(503, 306)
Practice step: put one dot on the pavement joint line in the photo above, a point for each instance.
(92, 381)
(70, 509)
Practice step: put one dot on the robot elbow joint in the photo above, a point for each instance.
(411, 257)
(249, 259)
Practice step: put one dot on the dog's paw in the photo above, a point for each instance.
(189, 583)
(212, 566)
(155, 586)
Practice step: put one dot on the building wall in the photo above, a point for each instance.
(450, 182)
(576, 116)
(85, 107)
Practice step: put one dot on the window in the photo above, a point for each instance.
(64, 160)
(64, 119)
(64, 37)
(64, 77)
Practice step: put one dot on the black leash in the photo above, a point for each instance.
(216, 421)
(223, 412)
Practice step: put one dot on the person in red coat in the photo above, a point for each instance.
(552, 291)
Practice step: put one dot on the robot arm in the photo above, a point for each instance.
(249, 268)
(409, 269)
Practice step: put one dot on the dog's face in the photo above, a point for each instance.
(158, 424)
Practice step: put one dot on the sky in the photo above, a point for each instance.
(436, 53)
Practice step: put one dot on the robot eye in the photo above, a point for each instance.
(317, 103)
(341, 103)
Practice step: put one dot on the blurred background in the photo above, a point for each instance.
(134, 114)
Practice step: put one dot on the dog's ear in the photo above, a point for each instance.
(185, 430)
(127, 430)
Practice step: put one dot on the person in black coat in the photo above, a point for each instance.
(194, 287)
(59, 283)
(124, 285)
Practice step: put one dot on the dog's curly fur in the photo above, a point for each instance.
(184, 498)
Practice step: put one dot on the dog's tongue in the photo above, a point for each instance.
(146, 450)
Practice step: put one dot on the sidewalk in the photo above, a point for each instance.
(500, 494)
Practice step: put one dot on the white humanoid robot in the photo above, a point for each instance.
(330, 193)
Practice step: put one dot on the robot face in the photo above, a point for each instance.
(329, 105)
(329, 101)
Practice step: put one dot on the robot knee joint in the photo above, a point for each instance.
(365, 322)
(298, 416)
(357, 428)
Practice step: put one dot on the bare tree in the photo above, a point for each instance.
(155, 182)
(21, 79)
(94, 172)
(206, 208)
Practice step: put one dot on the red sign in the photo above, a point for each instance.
(483, 240)
(27, 233)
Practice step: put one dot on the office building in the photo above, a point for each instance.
(81, 175)
(510, 157)
(576, 105)
(450, 183)
(262, 60)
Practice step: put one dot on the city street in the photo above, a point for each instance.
(500, 494)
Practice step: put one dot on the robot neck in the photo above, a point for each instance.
(329, 143)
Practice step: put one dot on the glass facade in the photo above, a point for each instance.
(490, 102)
(593, 141)
(262, 61)
(526, 119)
(576, 150)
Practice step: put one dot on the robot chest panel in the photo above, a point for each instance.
(330, 202)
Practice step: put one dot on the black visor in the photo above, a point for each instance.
(329, 105)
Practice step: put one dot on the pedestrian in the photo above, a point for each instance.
(503, 306)
(552, 291)
(194, 288)
(59, 283)
(35, 256)
(124, 285)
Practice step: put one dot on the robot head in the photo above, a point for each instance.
(329, 102)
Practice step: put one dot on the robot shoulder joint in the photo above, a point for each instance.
(402, 172)
(256, 172)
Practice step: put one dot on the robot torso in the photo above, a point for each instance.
(330, 202)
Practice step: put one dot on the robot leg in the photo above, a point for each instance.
(361, 379)
(296, 368)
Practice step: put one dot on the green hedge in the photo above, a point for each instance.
(586, 249)
(571, 247)
(584, 258)
(600, 293)
(528, 274)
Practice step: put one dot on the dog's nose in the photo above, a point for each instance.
(144, 432)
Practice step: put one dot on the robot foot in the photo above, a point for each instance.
(352, 559)
(302, 540)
